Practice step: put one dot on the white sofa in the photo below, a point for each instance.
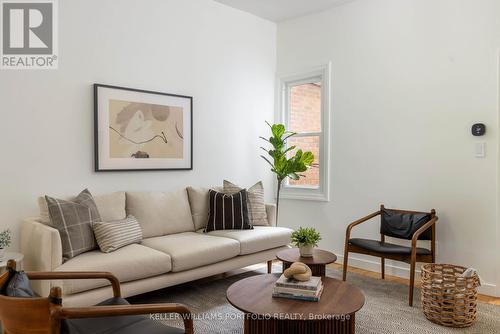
(174, 249)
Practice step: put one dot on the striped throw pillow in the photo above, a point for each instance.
(256, 203)
(116, 234)
(227, 211)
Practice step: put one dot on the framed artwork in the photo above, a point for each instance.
(142, 130)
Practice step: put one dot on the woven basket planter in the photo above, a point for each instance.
(447, 298)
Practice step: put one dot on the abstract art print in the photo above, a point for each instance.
(141, 130)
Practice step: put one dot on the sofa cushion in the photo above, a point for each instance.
(128, 263)
(198, 201)
(191, 250)
(111, 206)
(161, 213)
(258, 239)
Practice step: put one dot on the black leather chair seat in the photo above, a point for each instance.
(117, 325)
(384, 247)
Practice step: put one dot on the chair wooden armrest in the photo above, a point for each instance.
(359, 221)
(124, 310)
(50, 275)
(422, 230)
(348, 236)
(44, 314)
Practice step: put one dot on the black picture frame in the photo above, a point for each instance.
(97, 167)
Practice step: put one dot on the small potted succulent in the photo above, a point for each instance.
(306, 238)
(4, 242)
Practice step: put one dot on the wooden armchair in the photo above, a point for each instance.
(46, 315)
(401, 224)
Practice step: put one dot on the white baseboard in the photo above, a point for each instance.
(404, 272)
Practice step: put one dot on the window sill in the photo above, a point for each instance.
(305, 195)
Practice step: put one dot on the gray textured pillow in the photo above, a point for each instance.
(255, 202)
(116, 234)
(74, 219)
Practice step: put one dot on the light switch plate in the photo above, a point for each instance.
(480, 150)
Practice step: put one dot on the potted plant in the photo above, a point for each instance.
(4, 242)
(284, 164)
(306, 238)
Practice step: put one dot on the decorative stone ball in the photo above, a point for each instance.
(299, 271)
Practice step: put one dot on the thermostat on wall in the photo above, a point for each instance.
(478, 129)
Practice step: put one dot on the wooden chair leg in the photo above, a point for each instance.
(382, 259)
(412, 281)
(269, 266)
(382, 265)
(344, 271)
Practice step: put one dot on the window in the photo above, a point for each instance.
(304, 109)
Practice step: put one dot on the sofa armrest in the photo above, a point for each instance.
(42, 249)
(271, 214)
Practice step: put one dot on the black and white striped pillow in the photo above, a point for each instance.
(228, 211)
(116, 234)
(256, 204)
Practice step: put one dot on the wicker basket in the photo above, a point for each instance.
(447, 298)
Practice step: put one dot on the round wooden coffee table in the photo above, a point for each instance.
(334, 313)
(317, 262)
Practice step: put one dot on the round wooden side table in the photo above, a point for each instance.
(334, 313)
(317, 262)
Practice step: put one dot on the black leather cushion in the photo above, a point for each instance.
(387, 248)
(404, 225)
(117, 325)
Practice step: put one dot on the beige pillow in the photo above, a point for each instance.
(255, 202)
(161, 213)
(110, 206)
(116, 234)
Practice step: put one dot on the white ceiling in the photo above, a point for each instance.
(279, 10)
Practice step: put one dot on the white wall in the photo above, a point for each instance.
(409, 79)
(222, 57)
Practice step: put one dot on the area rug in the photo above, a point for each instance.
(386, 308)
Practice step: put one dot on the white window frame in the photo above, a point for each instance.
(319, 74)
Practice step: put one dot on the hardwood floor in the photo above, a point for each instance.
(482, 298)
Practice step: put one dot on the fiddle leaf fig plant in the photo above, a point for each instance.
(282, 164)
(306, 236)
